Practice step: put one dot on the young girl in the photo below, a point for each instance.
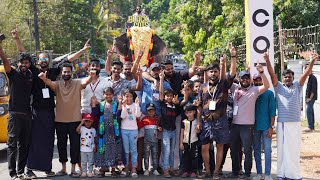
(129, 129)
(169, 111)
(109, 150)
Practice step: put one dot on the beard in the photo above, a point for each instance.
(66, 77)
(213, 78)
(23, 68)
(97, 71)
(244, 86)
(44, 65)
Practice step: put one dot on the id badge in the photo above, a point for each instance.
(45, 93)
(235, 110)
(212, 105)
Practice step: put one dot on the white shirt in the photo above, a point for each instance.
(87, 139)
(129, 114)
(93, 89)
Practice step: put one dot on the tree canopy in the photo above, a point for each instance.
(185, 25)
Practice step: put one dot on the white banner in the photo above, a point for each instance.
(259, 33)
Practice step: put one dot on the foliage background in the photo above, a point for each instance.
(185, 25)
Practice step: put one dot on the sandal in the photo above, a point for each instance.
(74, 175)
(216, 177)
(204, 175)
(50, 174)
(61, 173)
(231, 175)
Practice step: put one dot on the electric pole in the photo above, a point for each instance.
(36, 25)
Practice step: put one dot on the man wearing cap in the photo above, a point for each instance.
(212, 119)
(265, 112)
(242, 127)
(289, 118)
(149, 94)
(43, 115)
(175, 79)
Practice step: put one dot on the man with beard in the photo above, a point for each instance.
(265, 112)
(212, 117)
(289, 117)
(19, 121)
(68, 113)
(175, 79)
(245, 97)
(119, 84)
(43, 115)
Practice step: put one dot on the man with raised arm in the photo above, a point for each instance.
(68, 113)
(212, 117)
(43, 115)
(289, 118)
(19, 121)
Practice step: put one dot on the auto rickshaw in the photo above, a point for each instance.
(4, 104)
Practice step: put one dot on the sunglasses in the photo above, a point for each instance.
(44, 59)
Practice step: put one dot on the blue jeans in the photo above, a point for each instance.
(257, 137)
(310, 114)
(168, 143)
(129, 140)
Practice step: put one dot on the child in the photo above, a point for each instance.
(150, 124)
(169, 112)
(189, 142)
(109, 152)
(196, 86)
(87, 147)
(129, 128)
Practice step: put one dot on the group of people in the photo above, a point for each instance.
(167, 117)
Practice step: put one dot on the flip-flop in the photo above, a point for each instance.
(74, 175)
(61, 173)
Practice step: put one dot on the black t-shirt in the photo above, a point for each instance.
(312, 86)
(168, 116)
(38, 101)
(177, 79)
(38, 85)
(20, 91)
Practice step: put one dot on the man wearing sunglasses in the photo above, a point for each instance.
(43, 104)
(245, 96)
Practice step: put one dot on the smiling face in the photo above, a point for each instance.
(168, 70)
(43, 60)
(257, 81)
(245, 81)
(24, 65)
(88, 124)
(116, 70)
(287, 79)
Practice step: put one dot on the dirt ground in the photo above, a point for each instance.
(310, 155)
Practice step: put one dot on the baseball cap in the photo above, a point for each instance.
(150, 106)
(155, 65)
(88, 116)
(257, 75)
(243, 73)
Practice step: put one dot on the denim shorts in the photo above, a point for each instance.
(216, 130)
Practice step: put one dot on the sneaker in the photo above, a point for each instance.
(268, 178)
(185, 174)
(134, 175)
(14, 177)
(30, 175)
(243, 177)
(156, 173)
(90, 175)
(146, 173)
(193, 175)
(257, 177)
(123, 174)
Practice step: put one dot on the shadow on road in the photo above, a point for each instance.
(3, 155)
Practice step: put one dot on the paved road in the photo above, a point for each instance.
(56, 166)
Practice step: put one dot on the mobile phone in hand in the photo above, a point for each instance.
(2, 37)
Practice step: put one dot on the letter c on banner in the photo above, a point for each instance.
(254, 17)
(261, 51)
